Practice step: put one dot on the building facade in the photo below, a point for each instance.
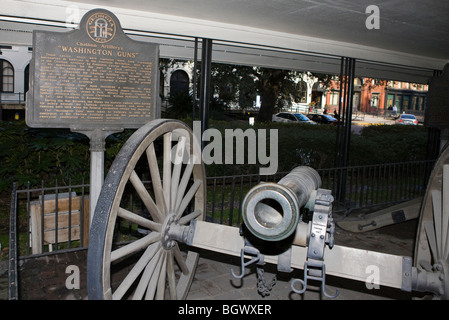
(370, 95)
(379, 96)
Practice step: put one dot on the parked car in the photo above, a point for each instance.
(323, 118)
(291, 117)
(405, 118)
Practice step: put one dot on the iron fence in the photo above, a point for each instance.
(56, 218)
(50, 218)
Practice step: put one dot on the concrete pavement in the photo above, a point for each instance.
(366, 119)
(363, 120)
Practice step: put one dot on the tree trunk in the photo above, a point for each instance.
(271, 86)
(267, 106)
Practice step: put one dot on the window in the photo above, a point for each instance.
(420, 103)
(390, 100)
(179, 82)
(375, 100)
(334, 98)
(414, 103)
(301, 117)
(6, 76)
(408, 116)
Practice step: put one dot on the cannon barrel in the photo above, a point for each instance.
(271, 210)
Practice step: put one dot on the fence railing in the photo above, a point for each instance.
(56, 218)
(50, 218)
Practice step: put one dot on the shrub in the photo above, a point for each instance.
(29, 154)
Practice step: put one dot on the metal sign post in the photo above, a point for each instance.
(97, 148)
(94, 80)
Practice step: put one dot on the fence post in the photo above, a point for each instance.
(12, 267)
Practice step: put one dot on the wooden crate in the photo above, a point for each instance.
(67, 217)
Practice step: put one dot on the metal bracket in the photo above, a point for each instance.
(255, 257)
(263, 287)
(314, 270)
(407, 265)
(321, 233)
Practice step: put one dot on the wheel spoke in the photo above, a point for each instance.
(154, 211)
(180, 260)
(161, 281)
(171, 275)
(135, 246)
(436, 205)
(177, 170)
(146, 276)
(430, 232)
(186, 219)
(184, 181)
(141, 221)
(156, 178)
(153, 283)
(135, 271)
(166, 179)
(188, 197)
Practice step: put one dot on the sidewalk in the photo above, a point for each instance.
(358, 123)
(367, 119)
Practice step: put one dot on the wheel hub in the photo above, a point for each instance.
(435, 280)
(172, 232)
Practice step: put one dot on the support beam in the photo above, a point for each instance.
(349, 263)
(194, 93)
(206, 61)
(343, 139)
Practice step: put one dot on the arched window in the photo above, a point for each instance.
(179, 82)
(6, 76)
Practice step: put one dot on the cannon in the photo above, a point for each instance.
(288, 224)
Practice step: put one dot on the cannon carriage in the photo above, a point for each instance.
(160, 263)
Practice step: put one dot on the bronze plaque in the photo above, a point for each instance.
(437, 108)
(93, 77)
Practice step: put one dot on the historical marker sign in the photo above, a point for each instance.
(94, 77)
(93, 80)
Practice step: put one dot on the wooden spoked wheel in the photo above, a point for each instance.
(432, 241)
(144, 262)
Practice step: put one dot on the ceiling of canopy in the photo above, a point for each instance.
(410, 39)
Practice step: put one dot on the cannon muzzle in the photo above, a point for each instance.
(271, 211)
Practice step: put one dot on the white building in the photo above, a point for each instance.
(14, 74)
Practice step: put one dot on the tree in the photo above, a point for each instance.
(240, 84)
(237, 84)
(234, 84)
(277, 88)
